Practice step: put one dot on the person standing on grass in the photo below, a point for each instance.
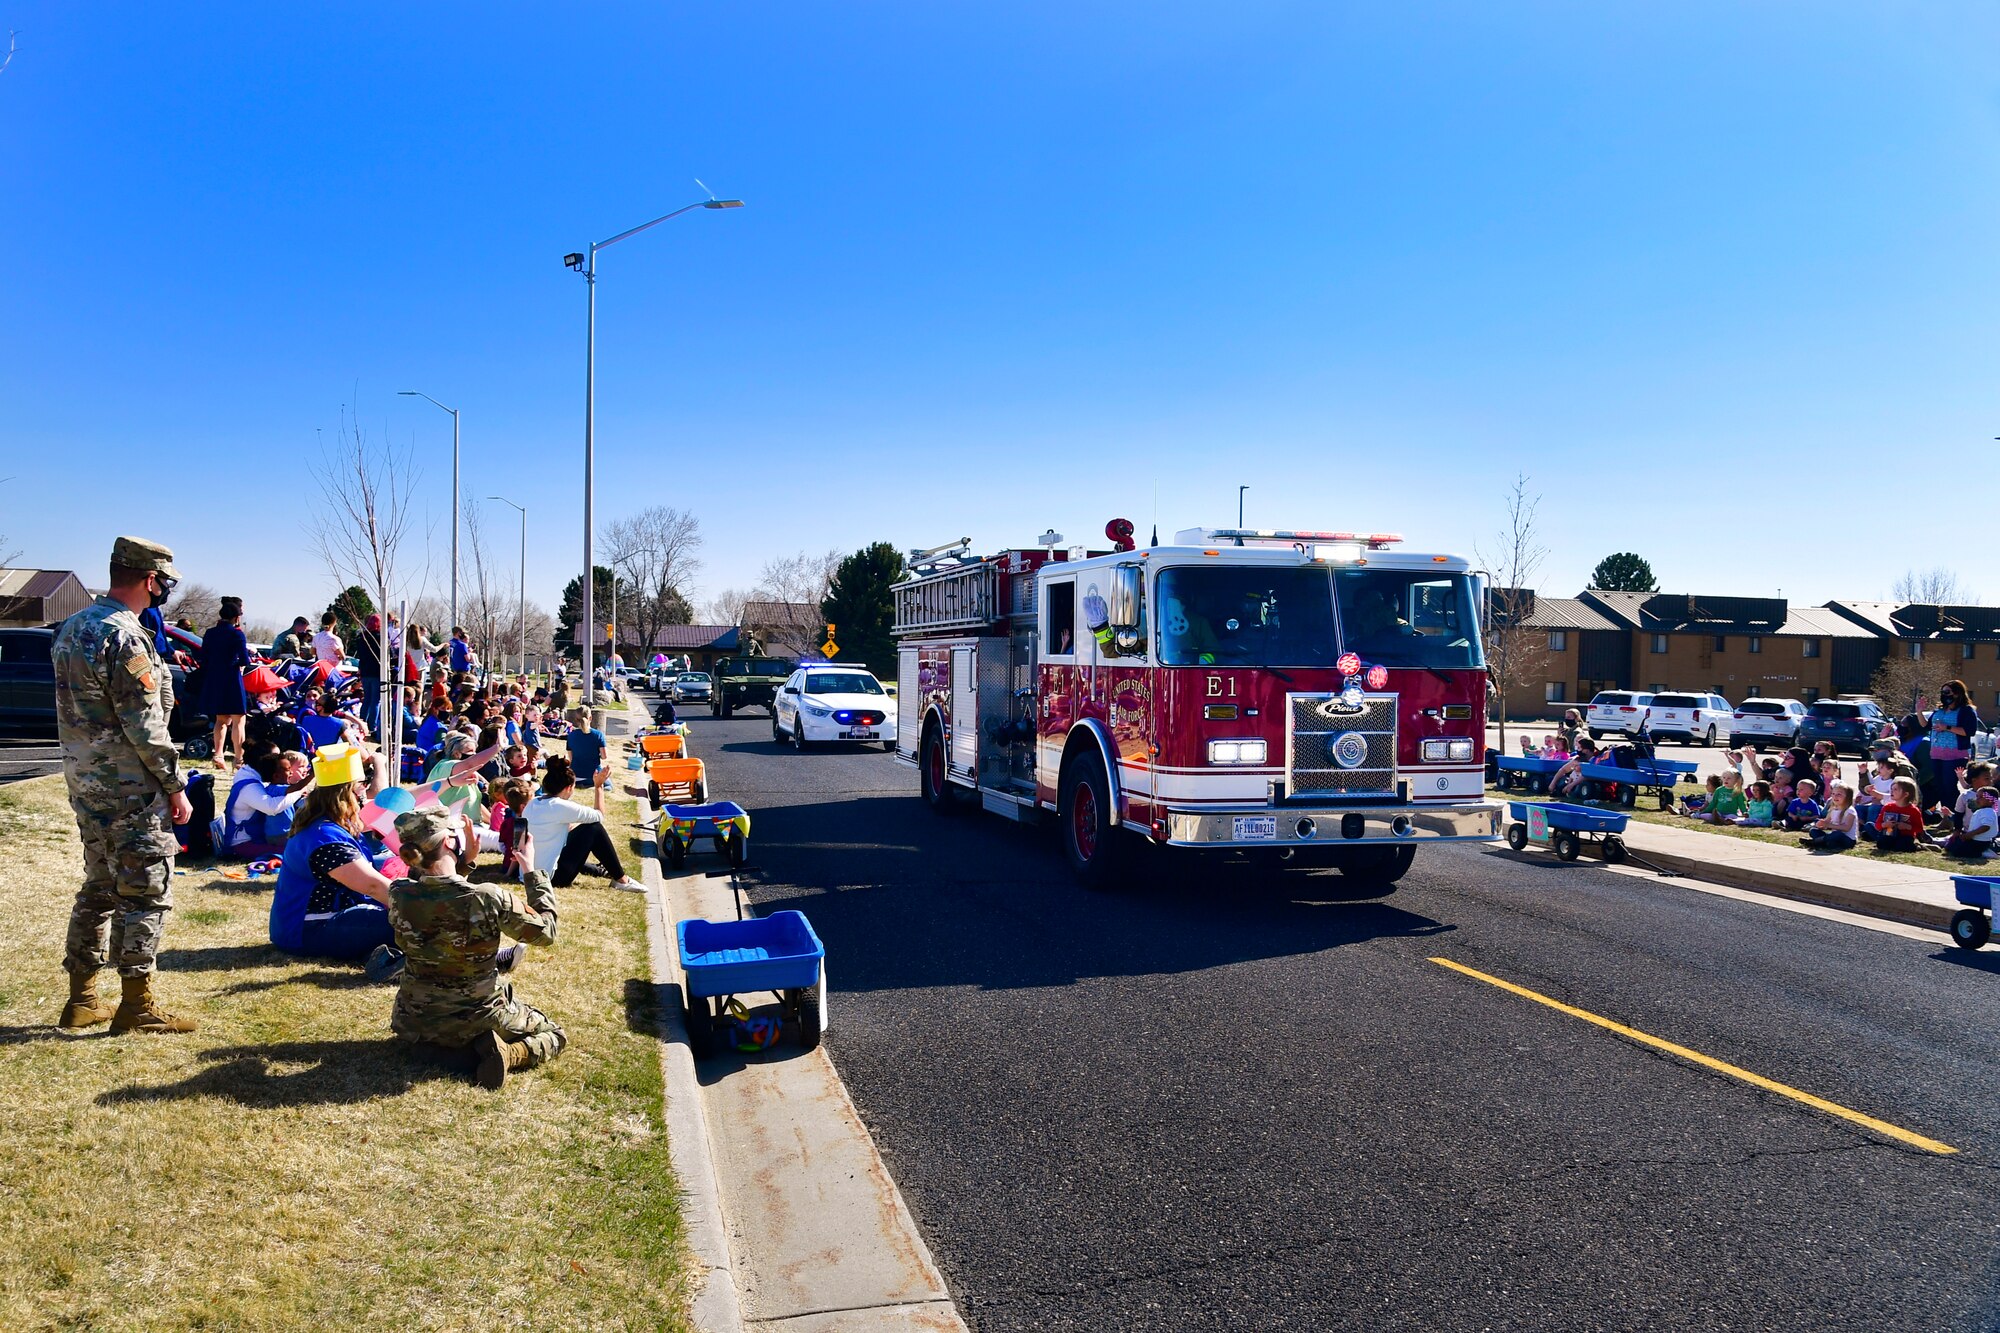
(294, 642)
(327, 647)
(1952, 723)
(586, 746)
(113, 696)
(451, 1004)
(225, 656)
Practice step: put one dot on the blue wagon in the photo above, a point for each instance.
(1565, 827)
(724, 959)
(1659, 775)
(726, 823)
(1526, 772)
(1972, 925)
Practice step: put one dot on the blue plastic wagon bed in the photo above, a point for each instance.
(1565, 828)
(724, 959)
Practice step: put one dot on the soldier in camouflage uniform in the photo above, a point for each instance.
(113, 695)
(452, 1003)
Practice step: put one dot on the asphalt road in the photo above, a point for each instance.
(1214, 1101)
(28, 756)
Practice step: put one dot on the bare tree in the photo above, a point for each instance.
(1906, 684)
(656, 551)
(1516, 650)
(726, 607)
(196, 602)
(1932, 587)
(491, 608)
(785, 604)
(13, 45)
(364, 512)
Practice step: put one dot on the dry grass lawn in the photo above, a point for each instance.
(287, 1166)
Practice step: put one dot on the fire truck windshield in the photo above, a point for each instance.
(1408, 617)
(1245, 615)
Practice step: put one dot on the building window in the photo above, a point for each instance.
(1916, 651)
(1809, 693)
(1657, 689)
(1552, 693)
(1812, 647)
(1968, 651)
(1558, 641)
(1659, 643)
(1722, 643)
(1756, 644)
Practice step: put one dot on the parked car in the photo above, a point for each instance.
(1849, 724)
(1766, 722)
(1689, 718)
(823, 703)
(689, 686)
(1615, 710)
(27, 680)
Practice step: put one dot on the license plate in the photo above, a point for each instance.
(858, 734)
(1256, 828)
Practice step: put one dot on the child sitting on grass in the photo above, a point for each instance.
(1757, 807)
(1726, 804)
(1838, 827)
(1870, 799)
(1695, 806)
(1900, 825)
(1802, 811)
(1782, 792)
(1977, 830)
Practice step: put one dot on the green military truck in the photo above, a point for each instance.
(747, 682)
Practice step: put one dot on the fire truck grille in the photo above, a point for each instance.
(1334, 753)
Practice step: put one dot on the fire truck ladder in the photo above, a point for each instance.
(960, 598)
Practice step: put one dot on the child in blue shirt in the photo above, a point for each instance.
(1802, 811)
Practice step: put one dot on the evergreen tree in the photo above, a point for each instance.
(349, 609)
(572, 608)
(861, 608)
(1624, 572)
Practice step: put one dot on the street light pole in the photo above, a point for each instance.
(1239, 505)
(586, 264)
(522, 624)
(412, 393)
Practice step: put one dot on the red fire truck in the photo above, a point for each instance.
(1314, 698)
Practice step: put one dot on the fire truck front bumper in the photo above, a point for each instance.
(1295, 826)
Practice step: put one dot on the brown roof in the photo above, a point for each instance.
(780, 613)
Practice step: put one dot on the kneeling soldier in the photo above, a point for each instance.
(452, 999)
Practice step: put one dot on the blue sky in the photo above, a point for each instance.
(1720, 279)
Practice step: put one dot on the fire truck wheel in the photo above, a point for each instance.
(1091, 838)
(937, 791)
(1382, 866)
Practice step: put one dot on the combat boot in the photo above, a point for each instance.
(491, 1048)
(85, 1009)
(140, 1012)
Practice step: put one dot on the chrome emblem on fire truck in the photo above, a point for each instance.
(1346, 704)
(1350, 749)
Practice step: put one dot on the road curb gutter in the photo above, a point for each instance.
(717, 1306)
(1891, 907)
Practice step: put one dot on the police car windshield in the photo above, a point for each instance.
(1408, 617)
(1257, 615)
(841, 682)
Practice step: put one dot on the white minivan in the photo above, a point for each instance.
(1690, 718)
(1616, 710)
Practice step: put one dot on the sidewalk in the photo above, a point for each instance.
(1856, 880)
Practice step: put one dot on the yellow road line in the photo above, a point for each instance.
(1882, 1127)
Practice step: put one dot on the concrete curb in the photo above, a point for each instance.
(1890, 907)
(716, 1306)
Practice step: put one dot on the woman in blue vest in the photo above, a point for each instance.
(1952, 723)
(332, 899)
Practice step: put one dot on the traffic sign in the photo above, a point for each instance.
(829, 648)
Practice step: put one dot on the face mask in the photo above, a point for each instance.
(159, 599)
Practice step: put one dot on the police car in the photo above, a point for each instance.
(829, 703)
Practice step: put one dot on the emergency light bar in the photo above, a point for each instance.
(1374, 541)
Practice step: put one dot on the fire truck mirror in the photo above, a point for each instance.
(1127, 593)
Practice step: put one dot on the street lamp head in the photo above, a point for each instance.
(723, 203)
(408, 393)
(573, 261)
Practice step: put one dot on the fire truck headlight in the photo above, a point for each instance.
(1447, 751)
(1236, 752)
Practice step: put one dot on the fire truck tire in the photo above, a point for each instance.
(1092, 842)
(937, 791)
(1381, 866)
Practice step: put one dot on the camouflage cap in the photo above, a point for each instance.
(138, 553)
(422, 831)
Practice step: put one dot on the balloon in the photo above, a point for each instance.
(396, 799)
